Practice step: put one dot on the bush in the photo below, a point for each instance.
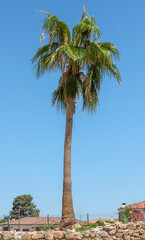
(125, 215)
(93, 225)
(111, 222)
(45, 227)
(138, 215)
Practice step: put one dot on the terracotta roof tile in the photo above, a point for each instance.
(34, 221)
(139, 205)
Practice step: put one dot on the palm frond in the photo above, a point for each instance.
(69, 87)
(56, 29)
(111, 48)
(44, 50)
(98, 55)
(58, 98)
(90, 96)
(85, 30)
(113, 71)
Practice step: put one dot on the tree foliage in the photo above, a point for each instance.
(26, 207)
(80, 56)
(4, 219)
(125, 215)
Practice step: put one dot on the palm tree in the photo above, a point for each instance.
(83, 62)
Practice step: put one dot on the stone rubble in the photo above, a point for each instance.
(117, 231)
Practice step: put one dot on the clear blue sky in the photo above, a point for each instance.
(108, 149)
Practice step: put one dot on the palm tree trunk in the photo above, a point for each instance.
(67, 203)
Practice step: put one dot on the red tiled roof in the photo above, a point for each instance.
(34, 221)
(139, 205)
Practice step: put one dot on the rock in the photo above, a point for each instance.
(130, 225)
(142, 224)
(104, 234)
(78, 236)
(92, 235)
(112, 232)
(86, 234)
(18, 236)
(131, 232)
(8, 235)
(69, 237)
(114, 237)
(142, 237)
(98, 229)
(58, 235)
(109, 227)
(122, 226)
(49, 236)
(142, 231)
(132, 238)
(119, 235)
(38, 236)
(121, 231)
(26, 237)
(77, 225)
(136, 234)
(126, 237)
(57, 229)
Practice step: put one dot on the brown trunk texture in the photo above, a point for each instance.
(67, 203)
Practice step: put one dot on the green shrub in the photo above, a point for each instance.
(45, 227)
(111, 222)
(93, 225)
(125, 215)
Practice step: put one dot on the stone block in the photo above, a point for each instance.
(38, 236)
(58, 235)
(26, 237)
(49, 236)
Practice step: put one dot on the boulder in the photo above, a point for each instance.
(8, 235)
(130, 225)
(109, 227)
(38, 236)
(92, 235)
(142, 237)
(69, 237)
(112, 232)
(58, 235)
(78, 236)
(122, 226)
(126, 237)
(26, 237)
(77, 225)
(49, 236)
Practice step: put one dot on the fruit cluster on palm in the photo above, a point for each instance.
(83, 61)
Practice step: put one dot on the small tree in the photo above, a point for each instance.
(24, 207)
(125, 215)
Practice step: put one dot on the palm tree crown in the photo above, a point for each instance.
(82, 59)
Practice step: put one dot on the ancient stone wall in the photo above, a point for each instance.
(117, 231)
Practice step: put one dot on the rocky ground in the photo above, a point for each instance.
(117, 231)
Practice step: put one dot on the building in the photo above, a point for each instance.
(29, 223)
(135, 206)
